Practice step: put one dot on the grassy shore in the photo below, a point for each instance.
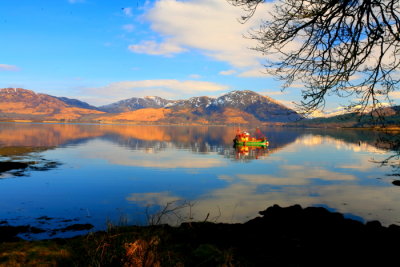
(290, 236)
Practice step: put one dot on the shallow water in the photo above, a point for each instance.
(119, 174)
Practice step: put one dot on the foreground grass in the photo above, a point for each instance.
(38, 253)
(281, 237)
(120, 246)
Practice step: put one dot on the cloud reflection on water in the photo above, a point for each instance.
(307, 183)
(140, 166)
(151, 199)
(241, 201)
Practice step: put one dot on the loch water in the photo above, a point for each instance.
(127, 174)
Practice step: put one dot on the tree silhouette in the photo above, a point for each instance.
(340, 47)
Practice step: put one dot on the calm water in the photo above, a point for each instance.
(123, 174)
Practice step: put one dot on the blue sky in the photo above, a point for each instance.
(102, 51)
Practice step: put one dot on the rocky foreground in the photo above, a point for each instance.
(290, 236)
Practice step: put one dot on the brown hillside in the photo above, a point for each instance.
(233, 116)
(17, 103)
(140, 115)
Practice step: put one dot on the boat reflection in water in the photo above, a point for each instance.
(250, 152)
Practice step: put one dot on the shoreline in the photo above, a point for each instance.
(290, 236)
(281, 125)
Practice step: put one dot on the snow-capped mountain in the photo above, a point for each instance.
(234, 107)
(263, 108)
(135, 103)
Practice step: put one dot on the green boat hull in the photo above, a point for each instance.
(252, 143)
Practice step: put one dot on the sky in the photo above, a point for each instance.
(103, 51)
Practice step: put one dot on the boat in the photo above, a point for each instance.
(243, 138)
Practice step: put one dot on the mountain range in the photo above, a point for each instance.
(17, 104)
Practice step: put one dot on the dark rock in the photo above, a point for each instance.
(67, 220)
(373, 225)
(9, 233)
(394, 227)
(44, 218)
(10, 165)
(35, 230)
(396, 182)
(295, 236)
(77, 227)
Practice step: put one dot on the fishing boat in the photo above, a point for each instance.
(243, 138)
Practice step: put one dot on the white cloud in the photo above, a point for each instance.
(153, 48)
(297, 85)
(183, 86)
(394, 95)
(211, 26)
(170, 89)
(6, 67)
(256, 72)
(127, 11)
(128, 27)
(195, 76)
(227, 72)
(268, 93)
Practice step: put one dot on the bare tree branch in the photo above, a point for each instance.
(340, 47)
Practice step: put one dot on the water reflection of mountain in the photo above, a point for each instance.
(198, 139)
(42, 135)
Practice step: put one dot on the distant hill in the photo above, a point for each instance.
(232, 108)
(22, 104)
(384, 116)
(76, 103)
